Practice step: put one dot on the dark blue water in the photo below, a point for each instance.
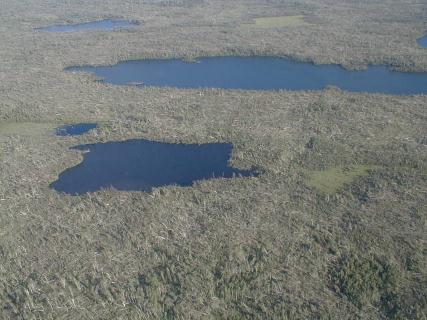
(423, 42)
(105, 25)
(258, 73)
(143, 164)
(75, 129)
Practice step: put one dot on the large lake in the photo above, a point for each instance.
(258, 73)
(105, 25)
(140, 165)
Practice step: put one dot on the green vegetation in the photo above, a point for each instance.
(364, 280)
(333, 179)
(277, 22)
(367, 281)
(26, 128)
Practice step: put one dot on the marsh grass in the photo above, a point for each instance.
(37, 128)
(26, 128)
(280, 22)
(333, 179)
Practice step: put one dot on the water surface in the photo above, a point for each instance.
(257, 73)
(423, 41)
(143, 164)
(105, 25)
(75, 129)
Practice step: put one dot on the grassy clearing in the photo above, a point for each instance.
(279, 22)
(331, 180)
(37, 128)
(26, 128)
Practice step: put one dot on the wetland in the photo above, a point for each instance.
(101, 25)
(332, 228)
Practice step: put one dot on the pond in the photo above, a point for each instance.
(423, 41)
(257, 73)
(105, 25)
(140, 165)
(75, 129)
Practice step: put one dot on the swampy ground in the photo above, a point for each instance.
(279, 246)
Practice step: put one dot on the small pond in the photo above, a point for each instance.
(75, 129)
(423, 41)
(257, 73)
(105, 25)
(140, 165)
